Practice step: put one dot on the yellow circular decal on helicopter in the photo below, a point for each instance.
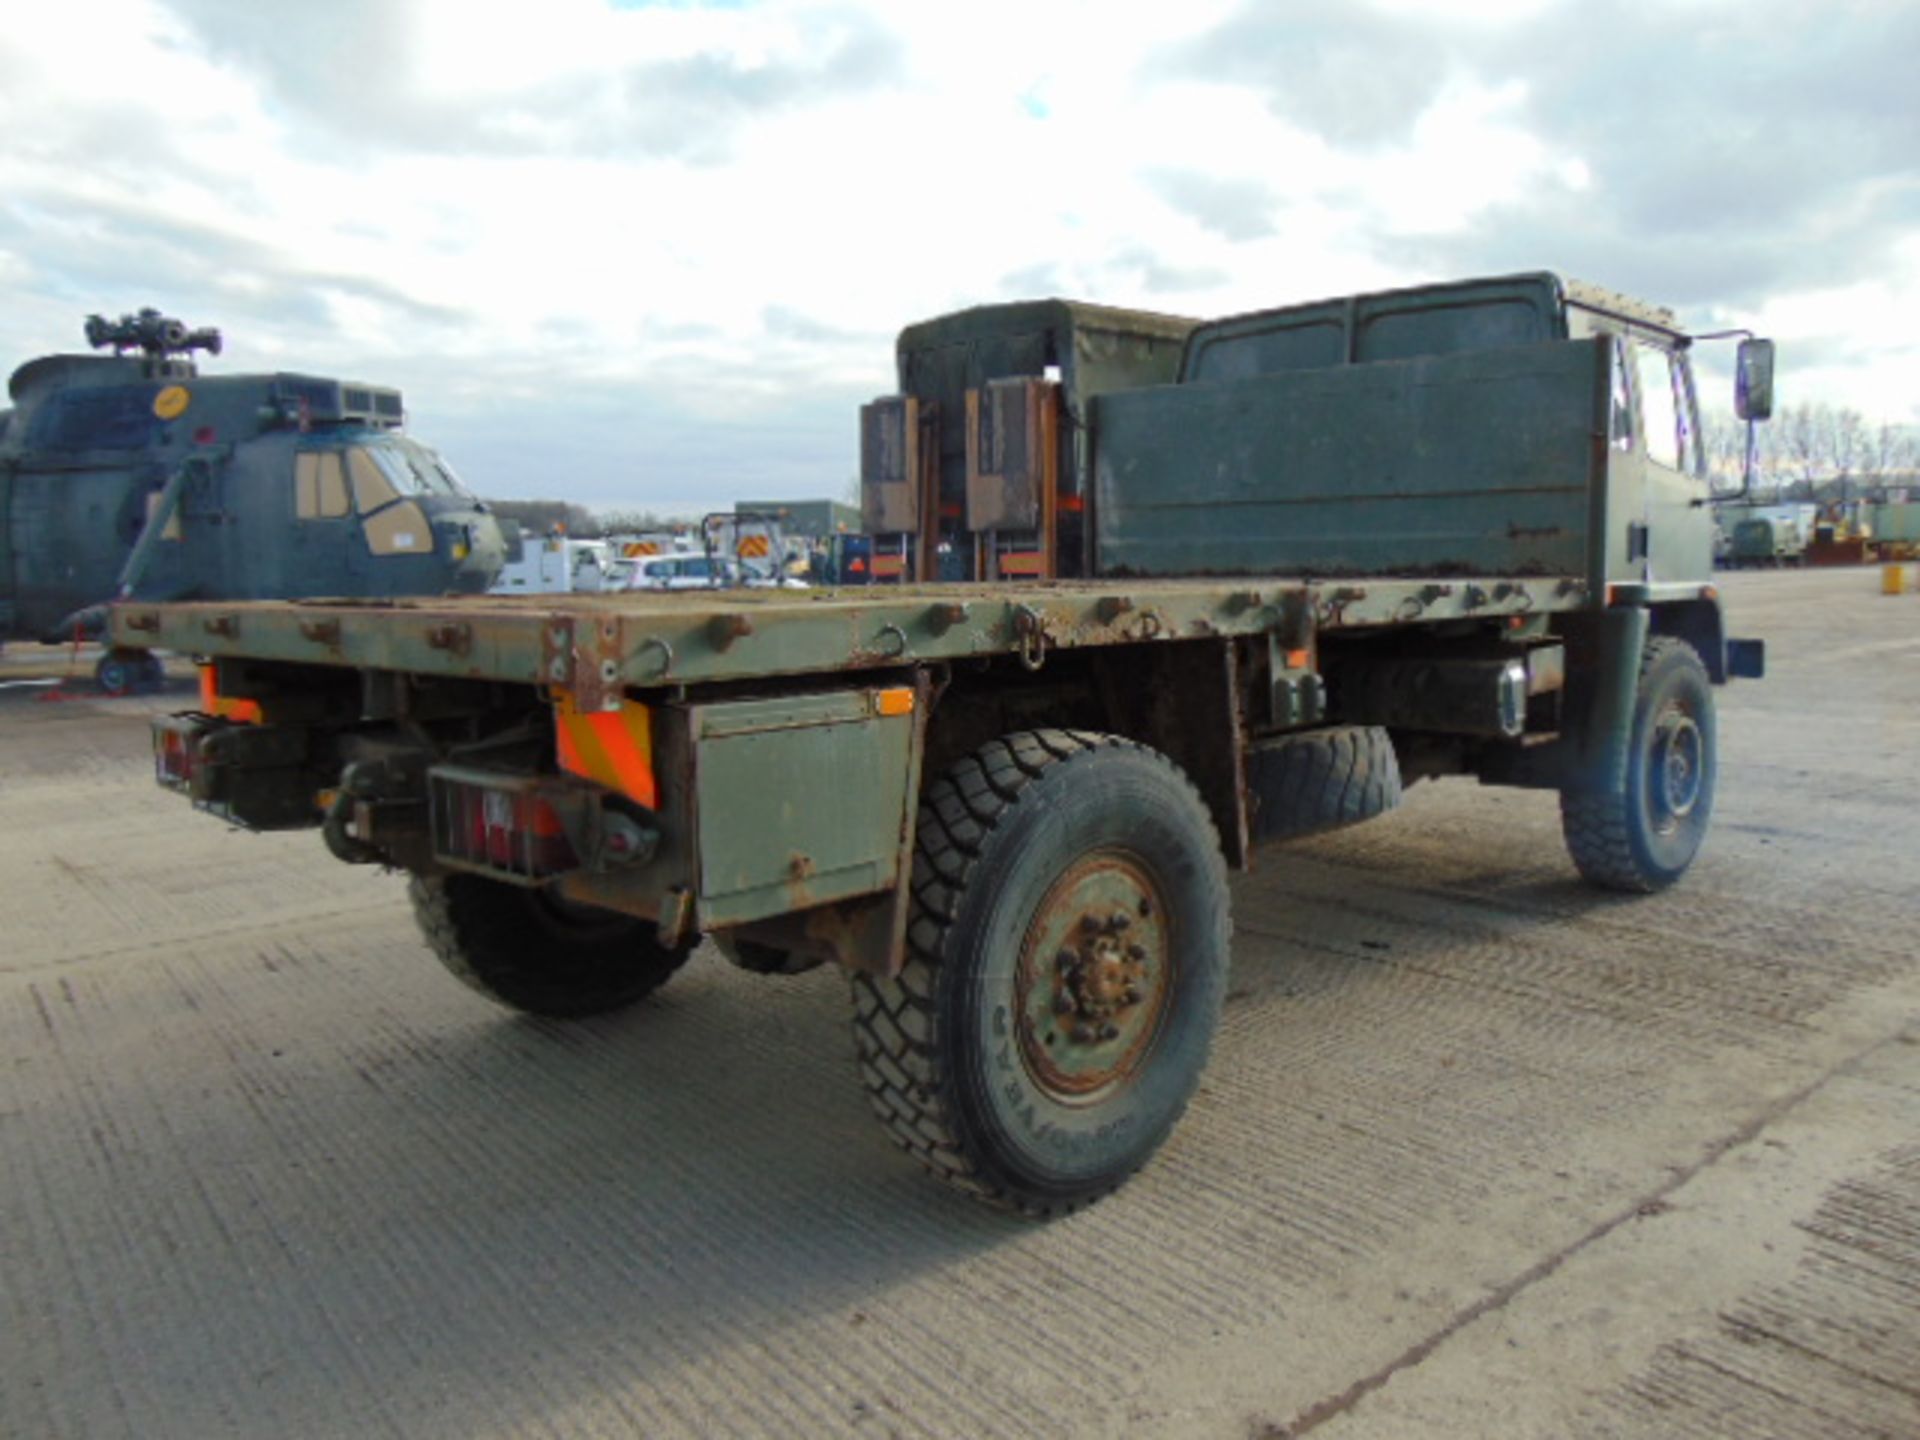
(171, 403)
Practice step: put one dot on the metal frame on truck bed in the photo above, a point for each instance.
(1316, 573)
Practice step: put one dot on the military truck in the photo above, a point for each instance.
(1454, 530)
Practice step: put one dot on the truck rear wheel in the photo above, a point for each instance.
(1067, 954)
(1643, 834)
(531, 951)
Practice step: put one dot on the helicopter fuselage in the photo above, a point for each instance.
(125, 477)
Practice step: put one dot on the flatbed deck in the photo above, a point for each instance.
(598, 644)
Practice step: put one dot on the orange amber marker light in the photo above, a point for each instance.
(212, 702)
(898, 701)
(1297, 659)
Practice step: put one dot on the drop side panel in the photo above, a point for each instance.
(1478, 463)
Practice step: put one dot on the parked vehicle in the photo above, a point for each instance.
(132, 475)
(1763, 541)
(557, 565)
(699, 572)
(1355, 544)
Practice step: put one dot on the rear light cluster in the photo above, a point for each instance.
(176, 752)
(509, 826)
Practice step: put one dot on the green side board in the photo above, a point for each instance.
(1480, 463)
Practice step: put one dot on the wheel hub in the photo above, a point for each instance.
(1094, 976)
(1677, 771)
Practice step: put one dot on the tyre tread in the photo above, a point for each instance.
(1332, 778)
(1596, 827)
(474, 934)
(894, 1022)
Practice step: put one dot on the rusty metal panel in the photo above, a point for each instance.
(1011, 460)
(669, 639)
(890, 465)
(799, 800)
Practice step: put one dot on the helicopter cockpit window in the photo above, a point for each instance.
(319, 485)
(427, 472)
(406, 468)
(383, 479)
(371, 487)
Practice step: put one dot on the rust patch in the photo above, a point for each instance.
(454, 637)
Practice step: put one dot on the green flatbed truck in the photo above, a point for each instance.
(1309, 556)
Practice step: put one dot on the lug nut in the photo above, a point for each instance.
(1132, 997)
(1083, 1034)
(1119, 920)
(1136, 952)
(1109, 1032)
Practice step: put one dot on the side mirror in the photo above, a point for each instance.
(1753, 380)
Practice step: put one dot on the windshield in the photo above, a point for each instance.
(413, 469)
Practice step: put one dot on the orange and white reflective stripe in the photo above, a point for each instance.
(212, 702)
(754, 547)
(613, 748)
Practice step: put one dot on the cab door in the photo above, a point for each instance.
(1678, 538)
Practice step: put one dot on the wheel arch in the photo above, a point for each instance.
(1180, 698)
(1701, 624)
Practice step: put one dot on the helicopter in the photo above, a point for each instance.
(130, 476)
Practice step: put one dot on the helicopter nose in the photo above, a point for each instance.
(478, 550)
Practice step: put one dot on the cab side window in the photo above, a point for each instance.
(1621, 424)
(1660, 408)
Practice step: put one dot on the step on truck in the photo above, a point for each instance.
(1294, 562)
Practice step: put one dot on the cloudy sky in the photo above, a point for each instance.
(655, 253)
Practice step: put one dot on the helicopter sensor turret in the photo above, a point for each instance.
(150, 331)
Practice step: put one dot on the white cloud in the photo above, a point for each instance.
(726, 212)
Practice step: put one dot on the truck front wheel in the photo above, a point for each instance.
(1642, 834)
(534, 952)
(1067, 954)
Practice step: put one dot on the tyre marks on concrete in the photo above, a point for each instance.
(1830, 1353)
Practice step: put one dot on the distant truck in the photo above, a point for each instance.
(1336, 549)
(555, 565)
(1894, 528)
(1762, 540)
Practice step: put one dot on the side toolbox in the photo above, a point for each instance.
(801, 800)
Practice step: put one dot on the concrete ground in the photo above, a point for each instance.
(1481, 1152)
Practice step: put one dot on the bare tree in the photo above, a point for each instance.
(1893, 453)
(1847, 441)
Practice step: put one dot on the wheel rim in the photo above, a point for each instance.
(1677, 775)
(1094, 978)
(112, 677)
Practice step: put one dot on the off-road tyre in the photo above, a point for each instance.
(1012, 842)
(1635, 837)
(519, 947)
(1324, 779)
